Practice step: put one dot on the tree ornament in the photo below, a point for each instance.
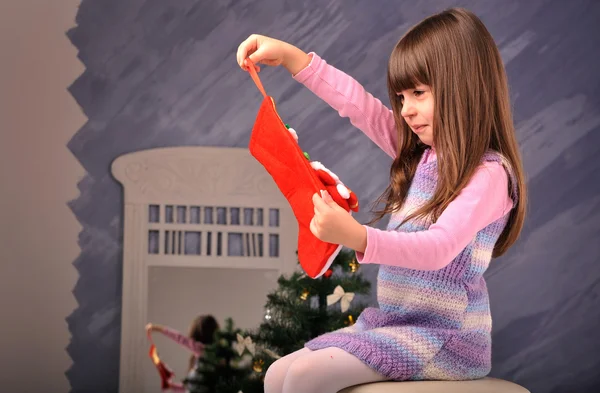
(353, 265)
(258, 365)
(244, 343)
(268, 317)
(304, 294)
(340, 295)
(349, 321)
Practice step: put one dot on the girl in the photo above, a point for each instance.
(456, 198)
(201, 333)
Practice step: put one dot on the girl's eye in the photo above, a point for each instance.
(419, 93)
(400, 98)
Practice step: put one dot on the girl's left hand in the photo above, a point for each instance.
(333, 224)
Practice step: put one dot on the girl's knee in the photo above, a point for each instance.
(301, 373)
(275, 376)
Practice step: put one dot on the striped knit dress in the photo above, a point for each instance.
(430, 325)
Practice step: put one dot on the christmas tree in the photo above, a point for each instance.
(227, 365)
(301, 308)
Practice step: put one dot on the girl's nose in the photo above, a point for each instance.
(408, 109)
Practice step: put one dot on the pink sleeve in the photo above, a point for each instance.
(196, 347)
(176, 387)
(349, 98)
(484, 200)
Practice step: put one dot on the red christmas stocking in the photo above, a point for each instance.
(272, 144)
(165, 373)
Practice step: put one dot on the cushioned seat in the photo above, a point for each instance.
(485, 385)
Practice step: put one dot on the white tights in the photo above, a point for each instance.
(326, 370)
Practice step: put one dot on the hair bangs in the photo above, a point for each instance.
(407, 66)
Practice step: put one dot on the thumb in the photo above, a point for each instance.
(327, 198)
(258, 55)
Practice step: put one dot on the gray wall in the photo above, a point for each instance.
(163, 73)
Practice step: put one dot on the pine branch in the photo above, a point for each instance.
(298, 313)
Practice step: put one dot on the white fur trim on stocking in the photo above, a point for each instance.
(341, 188)
(317, 165)
(294, 134)
(343, 191)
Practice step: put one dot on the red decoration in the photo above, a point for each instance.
(328, 273)
(166, 374)
(330, 185)
(275, 148)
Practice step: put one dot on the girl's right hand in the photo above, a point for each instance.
(269, 51)
(153, 327)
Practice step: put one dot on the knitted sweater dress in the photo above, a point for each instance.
(430, 324)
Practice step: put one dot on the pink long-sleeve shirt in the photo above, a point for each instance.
(484, 200)
(197, 348)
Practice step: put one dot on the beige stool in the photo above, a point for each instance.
(485, 385)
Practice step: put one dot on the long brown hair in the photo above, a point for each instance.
(454, 54)
(202, 330)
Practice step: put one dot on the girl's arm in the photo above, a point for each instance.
(196, 347)
(176, 387)
(484, 200)
(336, 88)
(350, 99)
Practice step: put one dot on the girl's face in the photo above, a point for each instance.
(417, 111)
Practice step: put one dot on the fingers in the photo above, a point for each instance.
(247, 64)
(315, 224)
(326, 197)
(320, 205)
(313, 227)
(251, 49)
(258, 56)
(323, 203)
(243, 49)
(247, 47)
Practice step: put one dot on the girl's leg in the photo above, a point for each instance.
(326, 371)
(276, 372)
